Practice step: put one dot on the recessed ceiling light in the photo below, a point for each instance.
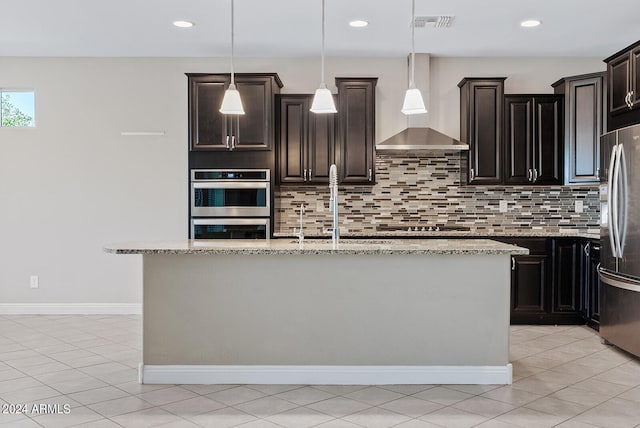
(358, 23)
(530, 23)
(183, 24)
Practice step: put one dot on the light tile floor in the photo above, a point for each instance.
(563, 376)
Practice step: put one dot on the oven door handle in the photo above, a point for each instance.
(230, 185)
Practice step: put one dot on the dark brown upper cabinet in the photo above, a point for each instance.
(211, 130)
(356, 130)
(584, 121)
(306, 141)
(548, 139)
(623, 70)
(533, 139)
(481, 113)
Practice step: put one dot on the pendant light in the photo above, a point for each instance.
(231, 102)
(323, 100)
(413, 103)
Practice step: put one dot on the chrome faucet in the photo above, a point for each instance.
(333, 205)
(301, 231)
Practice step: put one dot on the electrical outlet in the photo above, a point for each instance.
(503, 206)
(579, 207)
(33, 281)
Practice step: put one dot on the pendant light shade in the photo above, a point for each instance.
(413, 102)
(323, 100)
(231, 102)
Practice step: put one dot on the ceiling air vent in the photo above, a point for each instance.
(441, 21)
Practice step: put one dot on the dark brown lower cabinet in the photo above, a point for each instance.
(565, 282)
(591, 298)
(528, 288)
(557, 283)
(529, 281)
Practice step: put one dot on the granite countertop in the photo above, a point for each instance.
(321, 246)
(531, 233)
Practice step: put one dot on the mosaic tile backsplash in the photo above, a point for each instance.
(424, 189)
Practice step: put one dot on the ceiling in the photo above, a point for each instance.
(282, 28)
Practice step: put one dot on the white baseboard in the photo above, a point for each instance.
(70, 308)
(326, 375)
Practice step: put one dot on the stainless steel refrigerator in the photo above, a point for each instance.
(620, 238)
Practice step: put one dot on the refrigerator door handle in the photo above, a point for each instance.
(611, 202)
(624, 185)
(616, 202)
(619, 281)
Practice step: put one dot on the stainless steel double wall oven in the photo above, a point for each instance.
(230, 204)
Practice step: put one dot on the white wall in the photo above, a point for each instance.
(73, 184)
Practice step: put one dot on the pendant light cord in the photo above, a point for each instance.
(232, 21)
(322, 66)
(413, 44)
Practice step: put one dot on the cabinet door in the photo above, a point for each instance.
(619, 70)
(594, 285)
(208, 128)
(293, 136)
(253, 130)
(635, 77)
(481, 112)
(547, 140)
(583, 127)
(356, 129)
(528, 294)
(321, 147)
(517, 138)
(565, 290)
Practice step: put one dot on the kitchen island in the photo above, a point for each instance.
(373, 311)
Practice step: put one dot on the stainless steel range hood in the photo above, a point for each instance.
(418, 136)
(421, 139)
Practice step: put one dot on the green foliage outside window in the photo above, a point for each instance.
(11, 115)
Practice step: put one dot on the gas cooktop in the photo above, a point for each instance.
(421, 228)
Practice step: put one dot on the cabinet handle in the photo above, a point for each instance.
(627, 99)
(233, 142)
(630, 99)
(304, 175)
(530, 175)
(309, 175)
(370, 176)
(513, 263)
(587, 248)
(227, 143)
(598, 173)
(535, 175)
(472, 174)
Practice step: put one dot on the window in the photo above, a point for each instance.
(17, 108)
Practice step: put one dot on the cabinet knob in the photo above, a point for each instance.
(370, 176)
